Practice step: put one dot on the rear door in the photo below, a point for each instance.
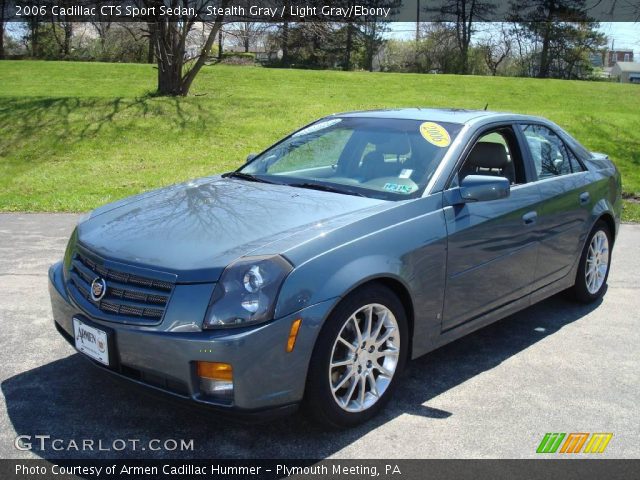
(566, 202)
(492, 245)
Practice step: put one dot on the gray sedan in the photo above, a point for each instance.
(314, 272)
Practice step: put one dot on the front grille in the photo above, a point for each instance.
(129, 298)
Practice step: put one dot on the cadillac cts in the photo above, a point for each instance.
(315, 271)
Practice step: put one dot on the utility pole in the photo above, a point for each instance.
(612, 55)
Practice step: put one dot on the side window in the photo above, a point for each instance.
(550, 155)
(495, 153)
(576, 166)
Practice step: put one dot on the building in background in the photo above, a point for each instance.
(626, 72)
(615, 56)
(604, 61)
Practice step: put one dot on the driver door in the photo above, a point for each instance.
(492, 245)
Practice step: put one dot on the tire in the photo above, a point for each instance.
(597, 249)
(334, 396)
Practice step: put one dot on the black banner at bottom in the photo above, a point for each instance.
(565, 469)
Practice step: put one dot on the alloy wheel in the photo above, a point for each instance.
(364, 357)
(597, 262)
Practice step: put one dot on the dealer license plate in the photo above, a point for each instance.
(91, 341)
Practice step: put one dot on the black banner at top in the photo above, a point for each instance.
(321, 10)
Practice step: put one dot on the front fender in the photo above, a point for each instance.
(336, 284)
(402, 252)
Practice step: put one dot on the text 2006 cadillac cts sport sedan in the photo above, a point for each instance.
(314, 272)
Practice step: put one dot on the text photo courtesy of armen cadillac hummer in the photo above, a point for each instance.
(272, 239)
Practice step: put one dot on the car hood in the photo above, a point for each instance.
(195, 229)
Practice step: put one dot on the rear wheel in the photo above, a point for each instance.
(358, 358)
(593, 270)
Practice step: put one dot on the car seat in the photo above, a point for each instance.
(489, 158)
(374, 165)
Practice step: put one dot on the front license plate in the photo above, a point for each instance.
(91, 341)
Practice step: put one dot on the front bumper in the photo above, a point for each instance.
(265, 376)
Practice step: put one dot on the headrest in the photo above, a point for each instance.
(393, 144)
(488, 155)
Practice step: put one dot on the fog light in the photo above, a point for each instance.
(216, 379)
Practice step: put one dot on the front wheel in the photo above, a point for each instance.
(593, 270)
(358, 358)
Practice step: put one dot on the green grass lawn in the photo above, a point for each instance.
(76, 135)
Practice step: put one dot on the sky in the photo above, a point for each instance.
(625, 35)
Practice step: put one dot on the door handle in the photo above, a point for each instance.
(530, 218)
(584, 198)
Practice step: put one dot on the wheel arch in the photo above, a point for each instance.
(608, 219)
(398, 287)
(605, 211)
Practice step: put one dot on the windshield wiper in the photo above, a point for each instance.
(325, 188)
(245, 176)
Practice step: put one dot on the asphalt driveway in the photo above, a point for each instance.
(556, 367)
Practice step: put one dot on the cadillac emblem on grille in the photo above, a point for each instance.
(98, 289)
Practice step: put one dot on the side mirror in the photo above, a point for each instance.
(251, 156)
(481, 188)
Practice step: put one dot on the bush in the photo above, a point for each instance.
(239, 58)
(250, 55)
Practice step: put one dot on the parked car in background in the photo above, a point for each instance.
(315, 271)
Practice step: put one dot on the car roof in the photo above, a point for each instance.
(451, 115)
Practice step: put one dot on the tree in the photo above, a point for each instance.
(572, 57)
(247, 34)
(127, 42)
(285, 43)
(284, 37)
(464, 14)
(151, 34)
(62, 36)
(350, 32)
(397, 56)
(373, 30)
(42, 39)
(550, 25)
(348, 46)
(32, 36)
(373, 40)
(311, 44)
(437, 48)
(3, 7)
(496, 49)
(102, 29)
(177, 70)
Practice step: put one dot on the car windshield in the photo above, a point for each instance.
(374, 157)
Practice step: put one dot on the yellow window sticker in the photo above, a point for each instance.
(435, 134)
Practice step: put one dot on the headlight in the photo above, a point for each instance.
(247, 291)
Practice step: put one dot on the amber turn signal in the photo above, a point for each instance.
(215, 370)
(293, 334)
